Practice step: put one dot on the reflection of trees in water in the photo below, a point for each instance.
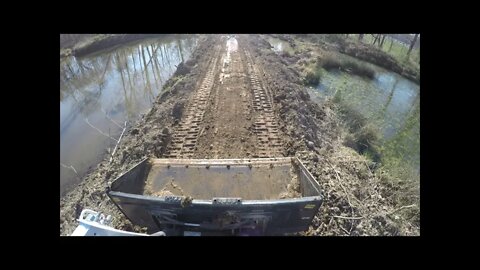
(415, 103)
(83, 81)
(127, 99)
(157, 69)
(147, 80)
(382, 117)
(79, 74)
(390, 96)
(155, 60)
(179, 45)
(406, 142)
(151, 65)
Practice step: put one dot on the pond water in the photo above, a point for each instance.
(100, 92)
(389, 101)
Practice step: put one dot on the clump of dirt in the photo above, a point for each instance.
(182, 69)
(162, 193)
(293, 188)
(169, 189)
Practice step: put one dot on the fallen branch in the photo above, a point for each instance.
(345, 230)
(69, 167)
(101, 132)
(368, 168)
(108, 117)
(340, 182)
(347, 217)
(118, 142)
(401, 208)
(352, 160)
(346, 194)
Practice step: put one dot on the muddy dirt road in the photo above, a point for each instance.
(236, 98)
(230, 114)
(220, 104)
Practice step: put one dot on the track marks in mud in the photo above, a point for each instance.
(231, 114)
(265, 126)
(185, 136)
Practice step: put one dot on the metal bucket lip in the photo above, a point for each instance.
(213, 162)
(164, 199)
(217, 162)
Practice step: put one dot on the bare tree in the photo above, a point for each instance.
(412, 44)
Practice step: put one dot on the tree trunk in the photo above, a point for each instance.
(360, 37)
(412, 44)
(376, 38)
(381, 43)
(391, 44)
(180, 49)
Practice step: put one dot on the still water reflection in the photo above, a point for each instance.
(100, 92)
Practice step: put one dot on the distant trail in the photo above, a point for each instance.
(231, 114)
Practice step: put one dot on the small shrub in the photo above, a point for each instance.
(359, 69)
(313, 77)
(353, 67)
(330, 63)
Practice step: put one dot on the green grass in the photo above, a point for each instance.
(313, 77)
(350, 66)
(395, 165)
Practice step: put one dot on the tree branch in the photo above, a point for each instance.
(401, 208)
(101, 132)
(69, 167)
(108, 117)
(347, 217)
(118, 142)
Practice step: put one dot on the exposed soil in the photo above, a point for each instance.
(237, 99)
(249, 179)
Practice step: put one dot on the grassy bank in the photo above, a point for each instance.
(314, 70)
(398, 176)
(394, 59)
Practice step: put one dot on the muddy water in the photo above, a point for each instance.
(389, 102)
(279, 45)
(101, 92)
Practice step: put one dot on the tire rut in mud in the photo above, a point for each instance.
(231, 114)
(186, 134)
(265, 126)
